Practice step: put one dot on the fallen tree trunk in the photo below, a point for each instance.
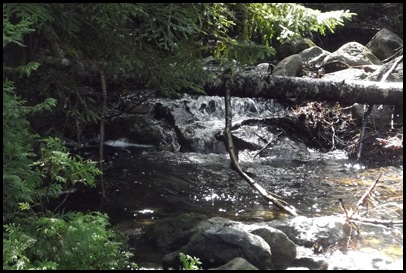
(259, 84)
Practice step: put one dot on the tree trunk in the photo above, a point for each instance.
(259, 84)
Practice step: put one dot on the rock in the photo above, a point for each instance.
(352, 54)
(283, 249)
(141, 129)
(172, 233)
(305, 231)
(313, 53)
(380, 116)
(396, 75)
(384, 44)
(347, 74)
(262, 67)
(217, 246)
(236, 264)
(311, 264)
(293, 47)
(291, 66)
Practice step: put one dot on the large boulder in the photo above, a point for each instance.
(351, 74)
(283, 249)
(291, 66)
(236, 264)
(217, 246)
(395, 73)
(351, 54)
(170, 234)
(293, 47)
(384, 44)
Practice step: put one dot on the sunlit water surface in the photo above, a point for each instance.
(145, 184)
(148, 185)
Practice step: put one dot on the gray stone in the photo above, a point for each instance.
(312, 53)
(283, 249)
(236, 264)
(384, 44)
(352, 54)
(217, 246)
(347, 74)
(305, 231)
(293, 47)
(291, 66)
(172, 233)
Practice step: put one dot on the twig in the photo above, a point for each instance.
(364, 197)
(376, 221)
(267, 145)
(364, 125)
(395, 64)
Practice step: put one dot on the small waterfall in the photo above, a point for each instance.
(201, 119)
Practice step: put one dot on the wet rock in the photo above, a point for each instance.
(236, 264)
(305, 231)
(380, 116)
(217, 246)
(250, 137)
(141, 129)
(311, 264)
(283, 249)
(172, 233)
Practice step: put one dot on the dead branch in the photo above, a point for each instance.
(352, 218)
(362, 136)
(364, 198)
(368, 112)
(267, 145)
(270, 197)
(374, 221)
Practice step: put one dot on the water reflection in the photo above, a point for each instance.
(145, 184)
(158, 184)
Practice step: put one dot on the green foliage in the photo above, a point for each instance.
(189, 263)
(285, 21)
(59, 166)
(261, 24)
(19, 180)
(13, 33)
(35, 239)
(158, 46)
(74, 241)
(155, 45)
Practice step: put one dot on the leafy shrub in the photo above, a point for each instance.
(189, 263)
(75, 240)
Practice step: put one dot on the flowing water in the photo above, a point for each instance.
(147, 184)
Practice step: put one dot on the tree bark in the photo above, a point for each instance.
(259, 84)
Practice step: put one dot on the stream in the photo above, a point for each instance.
(146, 184)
